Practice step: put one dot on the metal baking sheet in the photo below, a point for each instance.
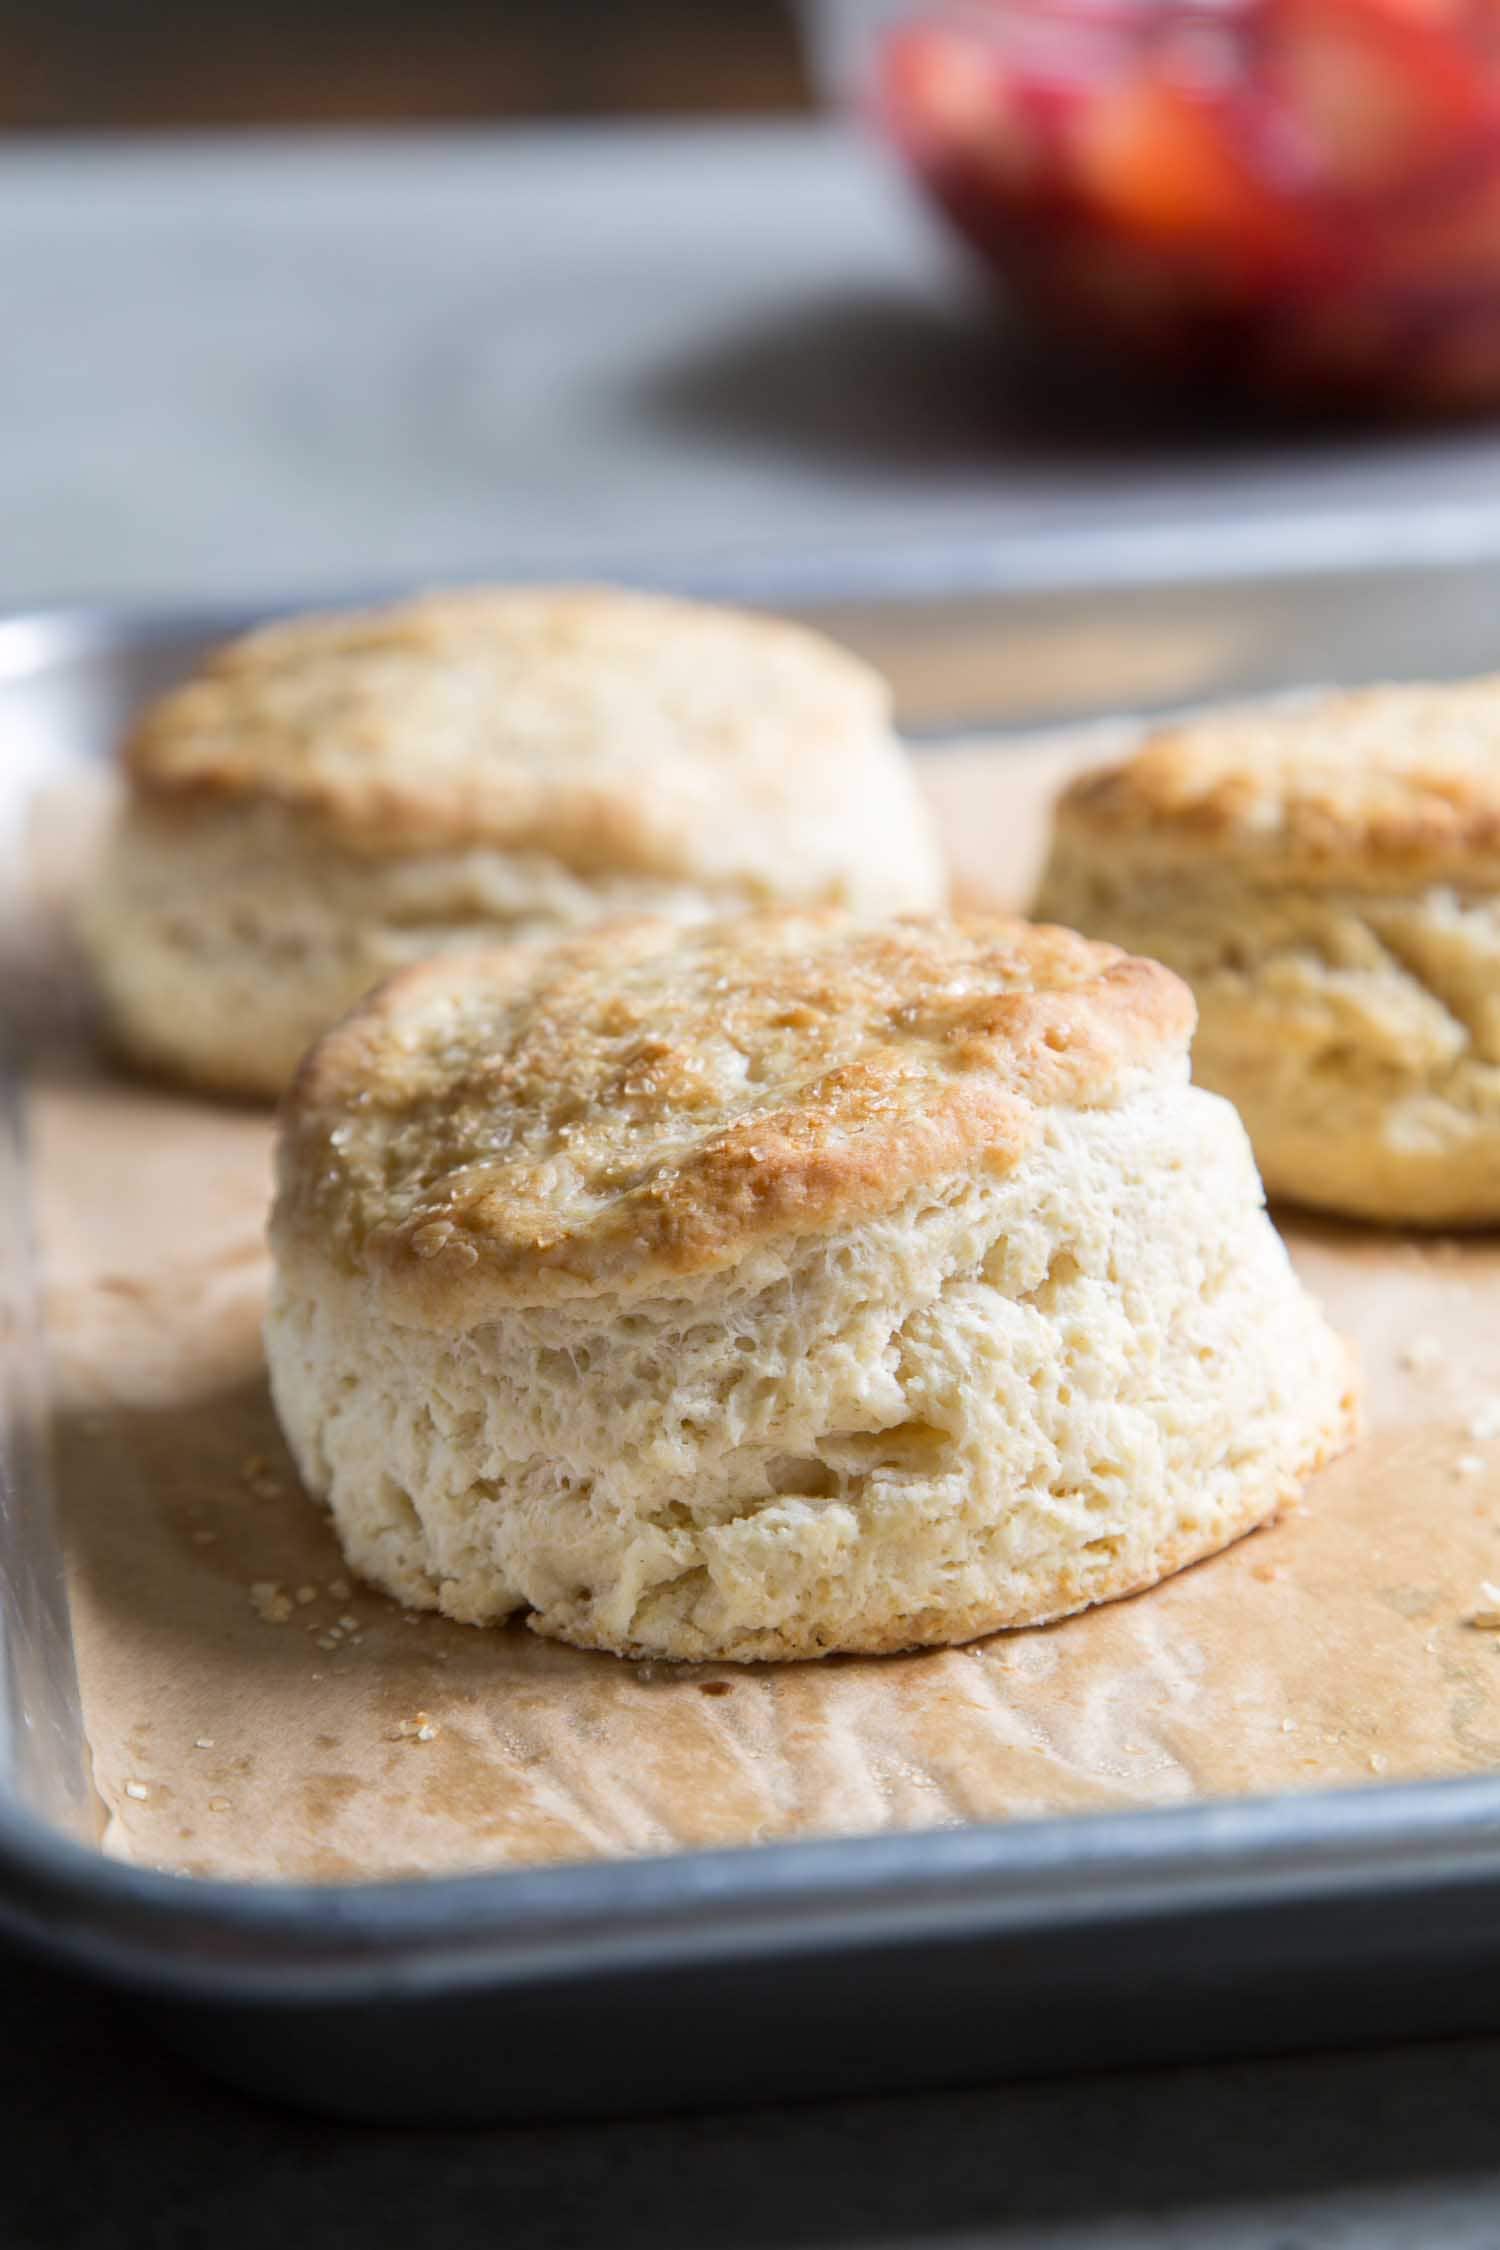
(804, 1967)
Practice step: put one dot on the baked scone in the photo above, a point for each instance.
(335, 797)
(783, 1286)
(1326, 875)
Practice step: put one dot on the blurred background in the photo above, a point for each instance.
(85, 64)
(343, 295)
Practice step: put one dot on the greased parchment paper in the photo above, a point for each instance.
(252, 1711)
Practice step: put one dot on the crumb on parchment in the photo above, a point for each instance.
(421, 1727)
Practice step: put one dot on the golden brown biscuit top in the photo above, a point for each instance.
(522, 1125)
(1386, 780)
(610, 729)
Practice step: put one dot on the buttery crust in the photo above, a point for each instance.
(524, 1126)
(610, 730)
(1381, 785)
(1326, 876)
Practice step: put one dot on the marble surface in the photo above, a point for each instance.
(271, 367)
(287, 364)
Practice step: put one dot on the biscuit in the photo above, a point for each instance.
(1326, 876)
(331, 799)
(783, 1286)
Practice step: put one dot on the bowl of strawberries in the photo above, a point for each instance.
(1298, 195)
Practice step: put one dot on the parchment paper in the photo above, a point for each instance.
(253, 1712)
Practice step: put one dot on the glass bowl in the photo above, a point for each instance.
(1302, 195)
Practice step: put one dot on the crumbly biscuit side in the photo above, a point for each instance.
(223, 940)
(1356, 1029)
(1005, 1399)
